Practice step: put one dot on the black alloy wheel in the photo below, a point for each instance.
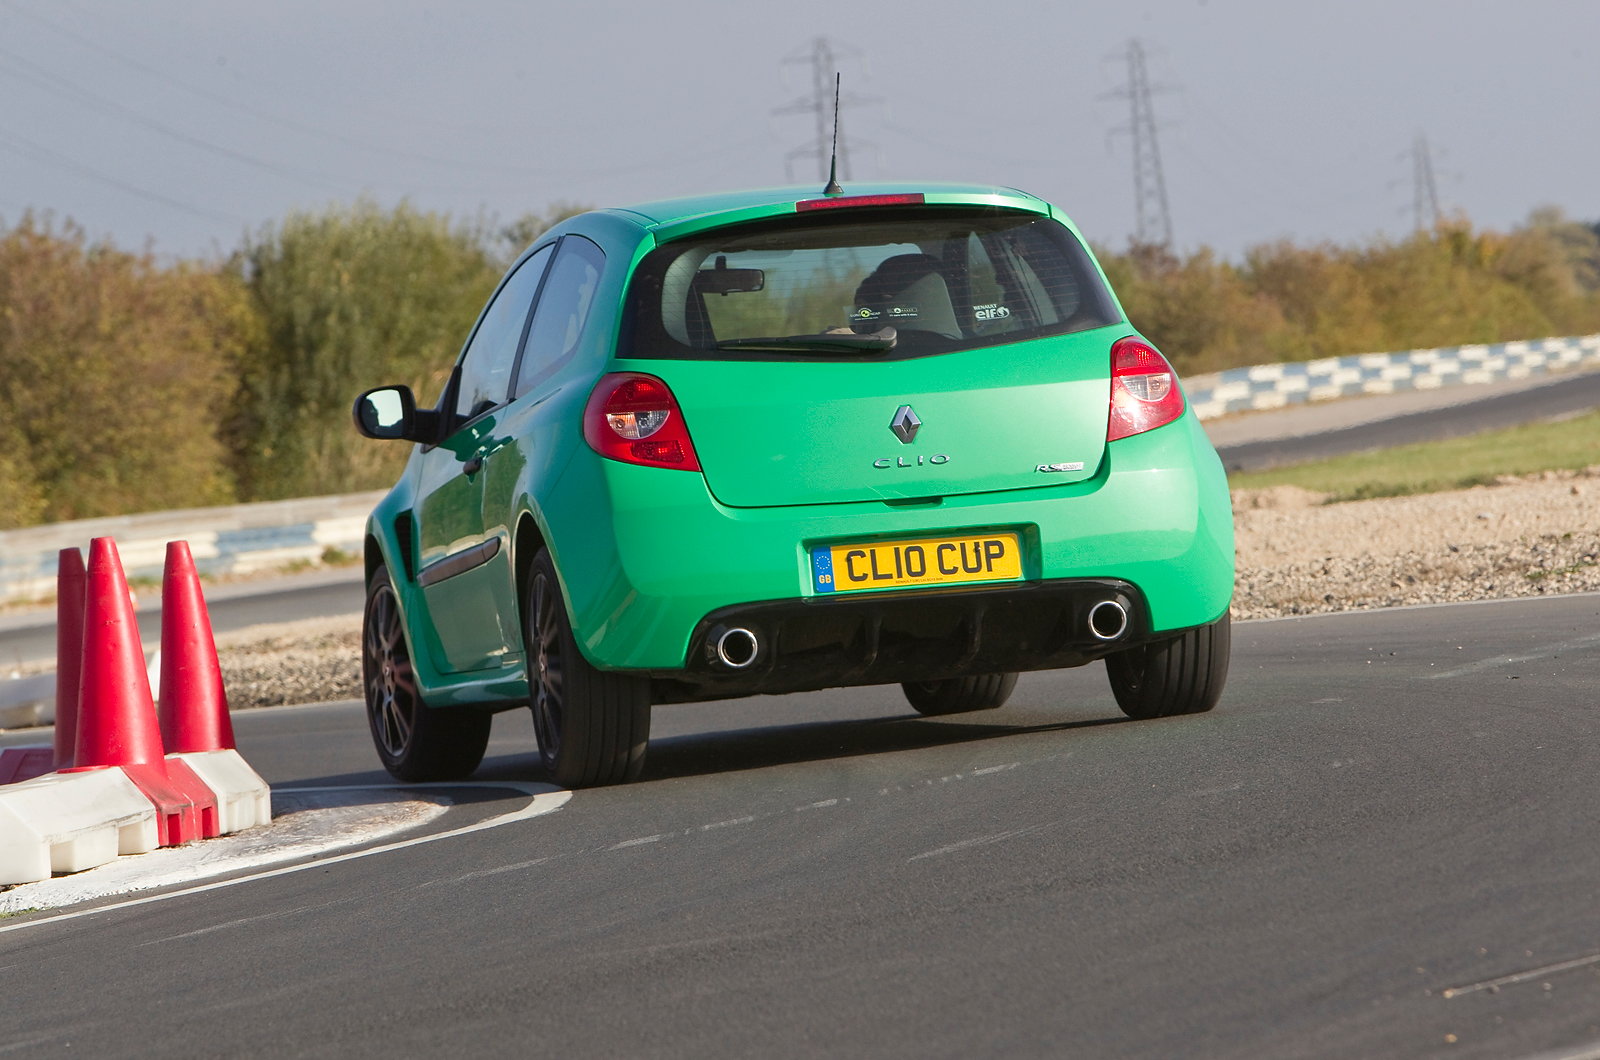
(386, 672)
(545, 685)
(415, 742)
(592, 725)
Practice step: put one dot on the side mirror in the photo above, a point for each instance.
(387, 413)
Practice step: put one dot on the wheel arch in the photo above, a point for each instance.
(373, 555)
(525, 544)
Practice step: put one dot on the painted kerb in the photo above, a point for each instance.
(1270, 386)
(239, 538)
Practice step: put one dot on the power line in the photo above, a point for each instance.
(50, 82)
(819, 103)
(1153, 219)
(1424, 192)
(308, 130)
(40, 153)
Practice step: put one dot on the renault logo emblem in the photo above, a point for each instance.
(905, 424)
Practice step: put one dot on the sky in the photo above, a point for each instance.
(183, 125)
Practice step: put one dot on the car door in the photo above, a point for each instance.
(472, 627)
(526, 433)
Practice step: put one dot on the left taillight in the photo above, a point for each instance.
(1144, 389)
(634, 418)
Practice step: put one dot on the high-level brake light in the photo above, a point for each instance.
(842, 201)
(634, 418)
(1144, 389)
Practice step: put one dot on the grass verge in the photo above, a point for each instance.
(1430, 467)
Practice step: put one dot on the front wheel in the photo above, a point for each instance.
(415, 742)
(1180, 675)
(592, 725)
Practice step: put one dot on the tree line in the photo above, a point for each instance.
(1285, 302)
(132, 383)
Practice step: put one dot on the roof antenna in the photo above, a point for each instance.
(833, 187)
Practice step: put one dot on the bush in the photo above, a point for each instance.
(1441, 288)
(348, 298)
(113, 370)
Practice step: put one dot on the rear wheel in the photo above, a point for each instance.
(415, 742)
(592, 725)
(1180, 675)
(960, 695)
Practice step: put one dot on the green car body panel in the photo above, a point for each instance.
(794, 454)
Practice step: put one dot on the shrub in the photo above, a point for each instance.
(113, 370)
(1440, 288)
(348, 298)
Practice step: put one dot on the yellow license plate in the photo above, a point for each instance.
(914, 562)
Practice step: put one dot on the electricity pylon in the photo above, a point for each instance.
(1153, 218)
(1425, 196)
(819, 103)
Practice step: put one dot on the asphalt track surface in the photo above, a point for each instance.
(1384, 806)
(1565, 396)
(32, 635)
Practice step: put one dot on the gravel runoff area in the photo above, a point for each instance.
(1532, 536)
(296, 662)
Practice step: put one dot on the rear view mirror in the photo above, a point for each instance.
(387, 413)
(723, 280)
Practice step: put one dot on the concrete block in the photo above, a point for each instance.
(68, 822)
(243, 799)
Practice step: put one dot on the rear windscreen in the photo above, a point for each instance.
(944, 278)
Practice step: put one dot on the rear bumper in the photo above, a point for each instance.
(647, 556)
(885, 638)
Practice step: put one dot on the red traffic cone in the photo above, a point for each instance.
(69, 651)
(117, 723)
(194, 705)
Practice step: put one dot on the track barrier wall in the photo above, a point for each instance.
(1271, 386)
(236, 539)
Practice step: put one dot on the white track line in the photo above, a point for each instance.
(981, 841)
(1543, 651)
(1521, 977)
(1580, 1052)
(545, 799)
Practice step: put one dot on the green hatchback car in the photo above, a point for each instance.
(776, 441)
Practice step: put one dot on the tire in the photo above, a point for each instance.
(415, 742)
(1181, 675)
(592, 725)
(959, 695)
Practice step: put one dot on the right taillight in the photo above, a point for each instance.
(634, 418)
(1144, 389)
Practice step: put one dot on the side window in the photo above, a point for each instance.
(486, 367)
(563, 311)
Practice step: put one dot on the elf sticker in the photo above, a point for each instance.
(992, 311)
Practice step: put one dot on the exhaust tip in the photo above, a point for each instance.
(738, 648)
(1108, 620)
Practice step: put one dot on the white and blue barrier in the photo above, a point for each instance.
(1270, 386)
(239, 538)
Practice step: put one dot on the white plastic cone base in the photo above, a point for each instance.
(243, 799)
(68, 822)
(140, 837)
